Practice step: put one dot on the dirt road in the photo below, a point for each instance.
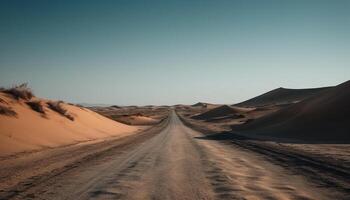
(166, 162)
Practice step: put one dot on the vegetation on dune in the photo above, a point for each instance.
(36, 106)
(4, 110)
(57, 107)
(21, 91)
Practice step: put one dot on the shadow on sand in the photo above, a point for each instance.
(237, 136)
(223, 136)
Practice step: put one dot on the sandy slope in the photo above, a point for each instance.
(281, 96)
(325, 117)
(219, 112)
(30, 130)
(203, 105)
(137, 120)
(173, 164)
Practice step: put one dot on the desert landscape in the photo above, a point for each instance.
(201, 151)
(175, 100)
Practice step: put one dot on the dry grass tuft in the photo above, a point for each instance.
(3, 101)
(21, 91)
(36, 106)
(57, 106)
(4, 110)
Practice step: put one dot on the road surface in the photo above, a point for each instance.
(170, 161)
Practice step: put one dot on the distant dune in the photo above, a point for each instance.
(137, 120)
(200, 104)
(281, 96)
(219, 112)
(34, 123)
(322, 117)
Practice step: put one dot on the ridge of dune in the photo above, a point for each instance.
(144, 119)
(281, 96)
(139, 120)
(221, 111)
(323, 117)
(30, 130)
(200, 104)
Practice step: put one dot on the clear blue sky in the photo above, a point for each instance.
(168, 52)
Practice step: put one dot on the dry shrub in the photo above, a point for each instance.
(36, 106)
(21, 91)
(4, 110)
(70, 117)
(3, 101)
(57, 106)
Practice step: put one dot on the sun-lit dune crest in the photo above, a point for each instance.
(137, 119)
(323, 117)
(31, 123)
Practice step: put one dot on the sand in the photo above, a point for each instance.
(199, 104)
(223, 111)
(324, 117)
(137, 120)
(135, 116)
(281, 96)
(30, 130)
(173, 164)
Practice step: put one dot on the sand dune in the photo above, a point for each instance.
(199, 104)
(32, 130)
(281, 96)
(142, 115)
(136, 120)
(171, 163)
(324, 117)
(220, 112)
